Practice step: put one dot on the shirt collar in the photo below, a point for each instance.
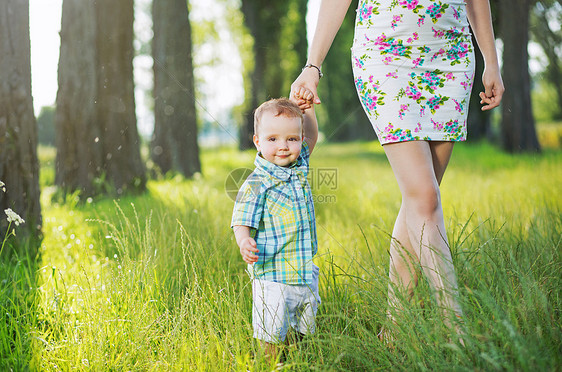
(277, 173)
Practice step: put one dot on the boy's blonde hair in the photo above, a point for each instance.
(279, 107)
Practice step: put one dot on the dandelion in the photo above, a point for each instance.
(13, 217)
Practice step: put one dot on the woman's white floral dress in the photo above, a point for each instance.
(413, 64)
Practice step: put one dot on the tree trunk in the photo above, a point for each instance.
(251, 19)
(122, 166)
(174, 146)
(262, 17)
(478, 124)
(97, 134)
(79, 141)
(294, 43)
(19, 167)
(518, 124)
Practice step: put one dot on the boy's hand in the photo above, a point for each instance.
(303, 97)
(247, 250)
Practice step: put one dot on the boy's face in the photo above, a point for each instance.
(279, 139)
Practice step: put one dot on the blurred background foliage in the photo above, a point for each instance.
(341, 117)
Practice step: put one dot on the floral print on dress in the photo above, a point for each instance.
(366, 11)
(392, 134)
(414, 68)
(395, 20)
(415, 36)
(429, 80)
(435, 102)
(370, 95)
(412, 5)
(452, 128)
(392, 75)
(456, 14)
(402, 112)
(459, 106)
(393, 46)
(436, 11)
(411, 92)
(457, 47)
(468, 81)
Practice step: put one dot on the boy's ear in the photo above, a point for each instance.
(256, 140)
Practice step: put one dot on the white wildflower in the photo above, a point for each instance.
(13, 217)
(2, 186)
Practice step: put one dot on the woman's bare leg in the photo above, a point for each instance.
(402, 270)
(419, 167)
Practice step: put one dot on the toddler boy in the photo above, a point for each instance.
(274, 223)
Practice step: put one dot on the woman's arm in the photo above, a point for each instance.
(479, 16)
(330, 18)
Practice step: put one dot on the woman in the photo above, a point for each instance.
(413, 67)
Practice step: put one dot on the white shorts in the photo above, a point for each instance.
(278, 306)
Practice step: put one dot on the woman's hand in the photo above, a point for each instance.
(306, 81)
(303, 97)
(493, 85)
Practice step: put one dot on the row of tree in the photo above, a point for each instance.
(98, 145)
(97, 141)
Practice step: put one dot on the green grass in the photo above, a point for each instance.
(550, 134)
(155, 282)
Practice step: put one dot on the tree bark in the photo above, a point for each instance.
(174, 145)
(78, 136)
(294, 42)
(122, 165)
(97, 138)
(19, 167)
(518, 124)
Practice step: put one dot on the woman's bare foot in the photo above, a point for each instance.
(386, 337)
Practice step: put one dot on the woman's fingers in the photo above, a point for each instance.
(307, 81)
(303, 93)
(493, 89)
(491, 98)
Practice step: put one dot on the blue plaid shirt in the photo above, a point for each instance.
(276, 202)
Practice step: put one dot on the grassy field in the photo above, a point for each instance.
(155, 282)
